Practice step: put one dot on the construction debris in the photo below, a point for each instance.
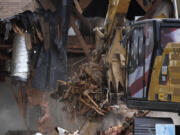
(89, 91)
(85, 91)
(126, 128)
(62, 131)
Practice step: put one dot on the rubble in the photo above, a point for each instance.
(126, 128)
(86, 90)
(62, 131)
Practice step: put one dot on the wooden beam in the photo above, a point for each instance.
(80, 37)
(84, 3)
(5, 46)
(81, 18)
(78, 7)
(76, 46)
(146, 7)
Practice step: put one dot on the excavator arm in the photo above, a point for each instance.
(111, 35)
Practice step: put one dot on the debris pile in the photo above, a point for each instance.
(62, 131)
(84, 90)
(126, 128)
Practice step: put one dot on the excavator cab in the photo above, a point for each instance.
(153, 71)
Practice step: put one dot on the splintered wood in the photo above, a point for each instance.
(85, 90)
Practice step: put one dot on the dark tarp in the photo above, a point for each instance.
(52, 63)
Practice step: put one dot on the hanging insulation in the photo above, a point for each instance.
(20, 59)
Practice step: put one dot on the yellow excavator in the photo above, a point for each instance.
(143, 55)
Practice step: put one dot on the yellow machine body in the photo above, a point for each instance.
(110, 38)
(115, 7)
(153, 65)
(171, 90)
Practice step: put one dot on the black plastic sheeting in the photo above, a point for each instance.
(52, 63)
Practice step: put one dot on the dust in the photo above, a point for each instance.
(110, 120)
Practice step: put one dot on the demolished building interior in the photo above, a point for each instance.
(67, 63)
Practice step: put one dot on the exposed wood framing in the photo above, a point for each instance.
(82, 18)
(80, 37)
(78, 6)
(5, 46)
